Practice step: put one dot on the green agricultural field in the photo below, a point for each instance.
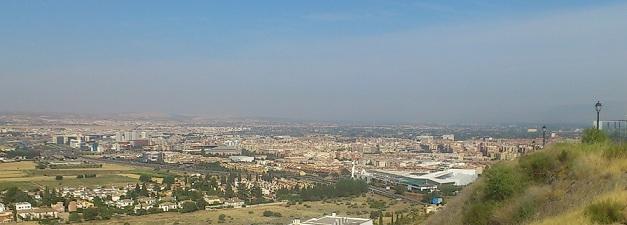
(24, 175)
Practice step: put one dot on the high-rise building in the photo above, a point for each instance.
(143, 135)
(119, 136)
(450, 137)
(134, 135)
(58, 139)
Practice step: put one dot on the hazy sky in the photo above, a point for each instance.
(366, 60)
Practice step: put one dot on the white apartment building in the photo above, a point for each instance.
(23, 206)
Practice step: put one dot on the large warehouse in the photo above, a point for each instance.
(457, 177)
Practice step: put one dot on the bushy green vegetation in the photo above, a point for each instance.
(616, 151)
(14, 194)
(44, 165)
(506, 181)
(216, 166)
(81, 176)
(478, 214)
(606, 212)
(221, 218)
(169, 180)
(374, 204)
(541, 167)
(545, 184)
(342, 188)
(188, 206)
(145, 178)
(448, 189)
(502, 182)
(269, 213)
(74, 217)
(591, 136)
(23, 152)
(98, 213)
(524, 210)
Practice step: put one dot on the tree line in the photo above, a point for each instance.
(316, 192)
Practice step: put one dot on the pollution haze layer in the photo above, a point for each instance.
(388, 61)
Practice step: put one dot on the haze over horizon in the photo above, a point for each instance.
(416, 61)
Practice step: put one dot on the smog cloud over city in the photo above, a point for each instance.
(388, 61)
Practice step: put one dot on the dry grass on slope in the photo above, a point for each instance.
(577, 215)
(553, 186)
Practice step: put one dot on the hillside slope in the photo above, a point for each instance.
(563, 184)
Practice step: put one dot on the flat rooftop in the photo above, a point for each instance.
(336, 220)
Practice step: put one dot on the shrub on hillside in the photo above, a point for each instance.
(591, 136)
(269, 213)
(525, 211)
(565, 156)
(540, 167)
(502, 182)
(478, 214)
(606, 212)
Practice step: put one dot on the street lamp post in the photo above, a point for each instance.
(543, 136)
(598, 107)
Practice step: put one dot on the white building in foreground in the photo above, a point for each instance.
(334, 220)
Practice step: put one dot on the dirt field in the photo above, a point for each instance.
(107, 167)
(356, 207)
(24, 175)
(17, 166)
